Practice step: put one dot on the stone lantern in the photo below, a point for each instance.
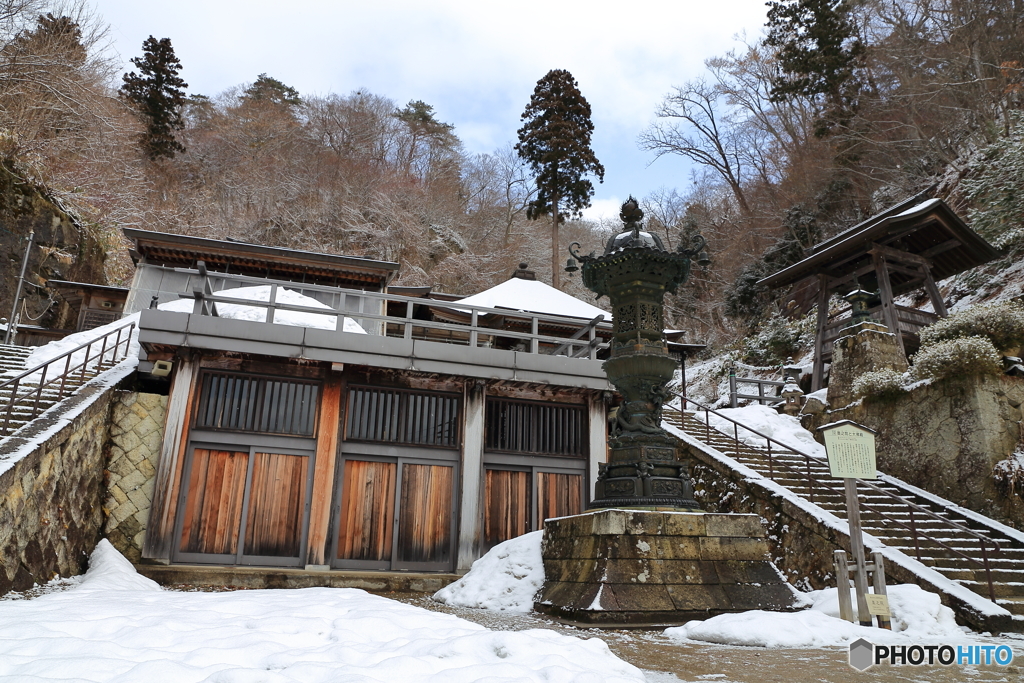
(644, 469)
(791, 390)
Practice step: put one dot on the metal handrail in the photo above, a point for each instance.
(812, 480)
(205, 294)
(35, 391)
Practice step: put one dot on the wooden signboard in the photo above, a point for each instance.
(878, 604)
(851, 450)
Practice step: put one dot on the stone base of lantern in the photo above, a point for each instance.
(611, 567)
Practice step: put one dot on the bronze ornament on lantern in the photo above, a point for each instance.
(644, 469)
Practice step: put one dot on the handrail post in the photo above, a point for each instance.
(39, 391)
(64, 377)
(913, 531)
(810, 479)
(593, 340)
(10, 404)
(988, 571)
(733, 401)
(474, 334)
(534, 342)
(85, 363)
(407, 332)
(272, 306)
(771, 464)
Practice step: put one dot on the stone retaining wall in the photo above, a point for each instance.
(948, 437)
(136, 431)
(51, 516)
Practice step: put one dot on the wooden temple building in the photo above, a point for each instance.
(906, 248)
(317, 418)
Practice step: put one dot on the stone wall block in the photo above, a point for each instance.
(141, 418)
(742, 526)
(720, 548)
(685, 524)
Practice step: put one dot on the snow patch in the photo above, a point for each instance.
(115, 628)
(918, 616)
(535, 297)
(506, 579)
(784, 429)
(259, 314)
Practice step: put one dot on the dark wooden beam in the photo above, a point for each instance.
(899, 255)
(933, 293)
(817, 376)
(888, 306)
(941, 248)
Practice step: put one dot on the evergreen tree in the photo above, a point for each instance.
(158, 93)
(819, 53)
(555, 142)
(269, 89)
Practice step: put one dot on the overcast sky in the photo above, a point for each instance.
(476, 62)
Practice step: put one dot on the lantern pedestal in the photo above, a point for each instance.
(613, 567)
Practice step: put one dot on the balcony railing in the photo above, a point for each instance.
(485, 327)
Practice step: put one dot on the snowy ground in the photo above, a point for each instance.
(115, 625)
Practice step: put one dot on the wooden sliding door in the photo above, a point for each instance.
(255, 495)
(425, 516)
(558, 495)
(366, 529)
(506, 505)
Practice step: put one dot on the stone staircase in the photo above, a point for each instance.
(882, 515)
(12, 363)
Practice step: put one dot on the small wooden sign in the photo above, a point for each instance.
(878, 604)
(850, 448)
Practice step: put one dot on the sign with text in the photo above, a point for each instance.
(851, 451)
(878, 604)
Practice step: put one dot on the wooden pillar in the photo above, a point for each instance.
(818, 374)
(470, 514)
(888, 305)
(160, 529)
(323, 473)
(933, 292)
(598, 439)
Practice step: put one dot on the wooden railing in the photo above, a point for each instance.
(210, 287)
(910, 320)
(761, 384)
(806, 474)
(25, 387)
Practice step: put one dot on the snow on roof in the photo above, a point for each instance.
(259, 314)
(919, 207)
(534, 296)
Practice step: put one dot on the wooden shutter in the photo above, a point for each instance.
(368, 511)
(213, 509)
(558, 495)
(425, 523)
(506, 505)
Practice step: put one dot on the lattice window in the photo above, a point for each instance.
(625, 318)
(403, 416)
(246, 403)
(536, 428)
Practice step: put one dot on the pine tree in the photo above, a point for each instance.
(555, 142)
(269, 89)
(819, 54)
(158, 94)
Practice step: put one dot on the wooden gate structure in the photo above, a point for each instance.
(906, 248)
(409, 441)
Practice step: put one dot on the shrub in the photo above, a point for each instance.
(957, 357)
(879, 385)
(776, 340)
(1002, 323)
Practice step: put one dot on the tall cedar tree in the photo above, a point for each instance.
(159, 95)
(555, 142)
(819, 53)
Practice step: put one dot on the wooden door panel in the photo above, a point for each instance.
(558, 495)
(213, 508)
(367, 511)
(277, 503)
(506, 505)
(425, 514)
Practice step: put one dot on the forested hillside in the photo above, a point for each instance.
(837, 110)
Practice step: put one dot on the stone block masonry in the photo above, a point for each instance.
(639, 567)
(51, 488)
(136, 431)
